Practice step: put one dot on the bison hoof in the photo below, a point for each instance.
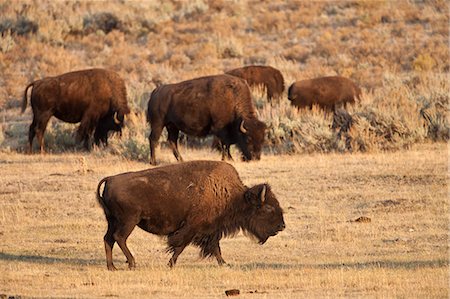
(112, 268)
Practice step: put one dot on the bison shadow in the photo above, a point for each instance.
(39, 259)
(407, 265)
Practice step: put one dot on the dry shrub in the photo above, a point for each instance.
(6, 42)
(179, 60)
(297, 53)
(228, 46)
(155, 42)
(21, 26)
(133, 144)
(60, 137)
(423, 62)
(102, 21)
(202, 51)
(190, 10)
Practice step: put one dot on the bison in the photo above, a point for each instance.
(196, 202)
(96, 98)
(220, 105)
(327, 92)
(267, 76)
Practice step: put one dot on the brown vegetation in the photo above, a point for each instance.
(397, 52)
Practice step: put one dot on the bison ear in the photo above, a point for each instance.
(256, 195)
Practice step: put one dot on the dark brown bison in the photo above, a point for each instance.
(97, 98)
(196, 202)
(327, 92)
(219, 105)
(267, 76)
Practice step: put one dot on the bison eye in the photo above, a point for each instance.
(268, 209)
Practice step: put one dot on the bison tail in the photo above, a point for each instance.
(25, 99)
(101, 199)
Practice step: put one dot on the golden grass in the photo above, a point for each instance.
(51, 227)
(51, 230)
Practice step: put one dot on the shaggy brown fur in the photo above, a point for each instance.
(195, 202)
(327, 92)
(219, 105)
(97, 98)
(267, 76)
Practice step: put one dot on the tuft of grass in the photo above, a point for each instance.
(424, 62)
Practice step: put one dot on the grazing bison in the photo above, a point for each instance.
(96, 97)
(327, 92)
(219, 105)
(267, 76)
(196, 202)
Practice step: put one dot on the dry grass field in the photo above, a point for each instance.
(51, 230)
(390, 167)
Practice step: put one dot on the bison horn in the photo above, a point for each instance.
(242, 128)
(263, 194)
(116, 120)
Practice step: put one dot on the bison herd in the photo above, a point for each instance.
(195, 202)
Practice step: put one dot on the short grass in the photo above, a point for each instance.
(51, 230)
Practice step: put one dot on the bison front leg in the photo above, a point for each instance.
(218, 255)
(226, 153)
(209, 245)
(177, 241)
(176, 252)
(86, 129)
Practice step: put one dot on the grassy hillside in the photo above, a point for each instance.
(397, 51)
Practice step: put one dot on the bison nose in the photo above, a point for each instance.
(282, 226)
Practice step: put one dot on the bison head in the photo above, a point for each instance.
(251, 133)
(265, 216)
(111, 122)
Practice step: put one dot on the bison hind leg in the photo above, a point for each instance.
(109, 243)
(31, 134)
(38, 127)
(120, 236)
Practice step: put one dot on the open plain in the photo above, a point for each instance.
(51, 230)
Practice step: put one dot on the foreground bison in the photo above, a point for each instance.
(267, 76)
(196, 202)
(327, 92)
(219, 105)
(96, 98)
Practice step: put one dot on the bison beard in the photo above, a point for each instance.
(195, 203)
